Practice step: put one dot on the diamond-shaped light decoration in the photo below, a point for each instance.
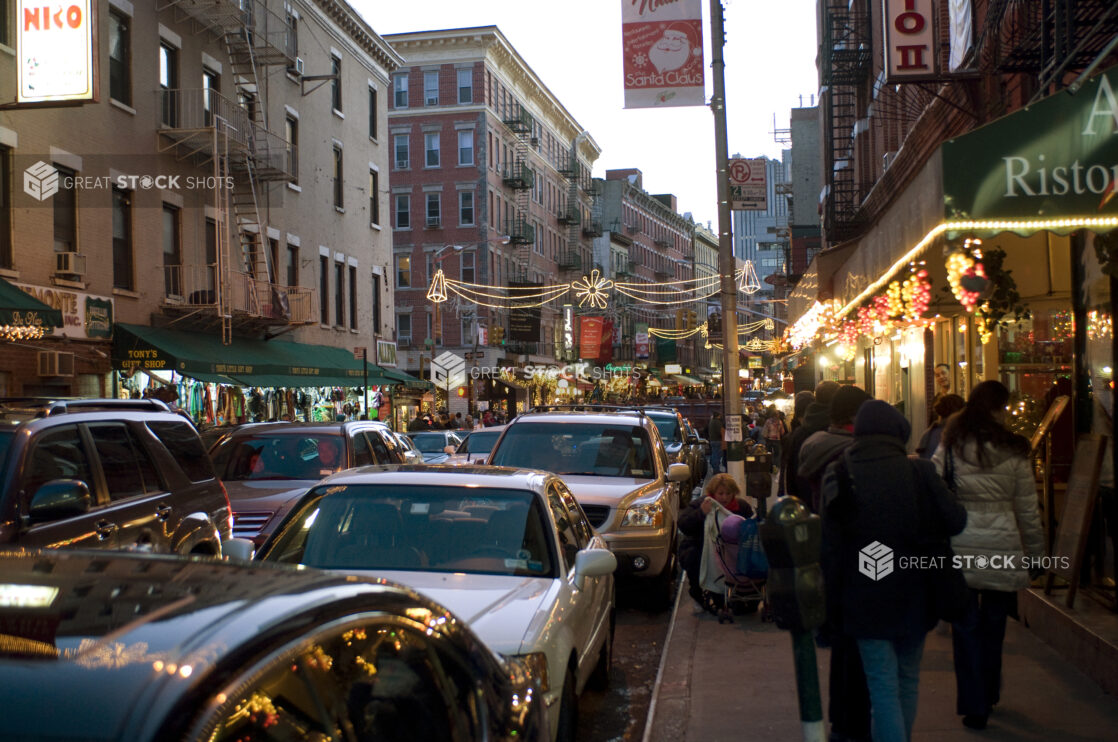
(749, 282)
(437, 292)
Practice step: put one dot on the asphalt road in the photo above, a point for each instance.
(619, 713)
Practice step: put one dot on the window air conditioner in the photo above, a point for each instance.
(56, 363)
(69, 264)
(297, 67)
(401, 164)
(404, 341)
(433, 222)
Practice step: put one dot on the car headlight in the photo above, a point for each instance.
(645, 514)
(536, 665)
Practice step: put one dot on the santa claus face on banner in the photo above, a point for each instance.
(671, 51)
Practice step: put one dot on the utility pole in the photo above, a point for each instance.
(731, 394)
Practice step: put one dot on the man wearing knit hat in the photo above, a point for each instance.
(824, 446)
(817, 417)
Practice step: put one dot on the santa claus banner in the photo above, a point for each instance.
(662, 43)
(605, 352)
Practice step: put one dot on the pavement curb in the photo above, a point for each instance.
(677, 654)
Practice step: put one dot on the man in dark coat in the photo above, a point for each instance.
(880, 512)
(817, 418)
(824, 446)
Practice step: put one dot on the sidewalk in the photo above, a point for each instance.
(735, 681)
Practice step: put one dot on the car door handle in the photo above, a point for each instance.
(163, 512)
(105, 529)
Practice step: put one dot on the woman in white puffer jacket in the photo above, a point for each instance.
(988, 467)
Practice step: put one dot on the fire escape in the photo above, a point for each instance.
(237, 286)
(846, 62)
(1055, 38)
(519, 176)
(575, 216)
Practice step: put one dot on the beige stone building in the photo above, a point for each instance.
(227, 187)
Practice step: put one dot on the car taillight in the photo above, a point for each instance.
(228, 510)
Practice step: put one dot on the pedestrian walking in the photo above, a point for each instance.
(878, 501)
(773, 432)
(988, 467)
(849, 704)
(714, 436)
(816, 418)
(944, 407)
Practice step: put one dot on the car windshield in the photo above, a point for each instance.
(593, 449)
(430, 442)
(481, 442)
(287, 456)
(668, 427)
(420, 528)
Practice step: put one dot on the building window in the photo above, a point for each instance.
(120, 58)
(400, 90)
(292, 265)
(211, 84)
(402, 147)
(403, 211)
(291, 132)
(168, 84)
(122, 239)
(403, 329)
(431, 88)
(336, 83)
(372, 113)
(323, 289)
(353, 297)
(467, 269)
(376, 303)
(273, 260)
(465, 148)
(211, 260)
(339, 294)
(172, 250)
(292, 24)
(65, 213)
(466, 86)
(5, 207)
(339, 202)
(434, 210)
(403, 271)
(466, 208)
(431, 149)
(374, 197)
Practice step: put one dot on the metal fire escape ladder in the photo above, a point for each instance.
(222, 283)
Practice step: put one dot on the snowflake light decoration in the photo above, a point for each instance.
(593, 289)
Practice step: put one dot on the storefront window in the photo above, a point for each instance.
(1035, 364)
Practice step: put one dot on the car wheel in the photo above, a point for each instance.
(568, 710)
(599, 679)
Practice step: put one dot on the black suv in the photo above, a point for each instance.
(108, 474)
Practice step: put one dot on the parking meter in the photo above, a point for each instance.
(758, 476)
(793, 537)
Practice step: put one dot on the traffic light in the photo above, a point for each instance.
(497, 335)
(679, 318)
(692, 319)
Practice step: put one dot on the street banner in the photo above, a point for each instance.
(662, 44)
(714, 322)
(605, 353)
(749, 188)
(665, 350)
(640, 341)
(590, 337)
(909, 40)
(524, 324)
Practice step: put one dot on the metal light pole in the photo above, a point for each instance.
(731, 395)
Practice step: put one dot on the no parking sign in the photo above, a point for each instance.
(749, 187)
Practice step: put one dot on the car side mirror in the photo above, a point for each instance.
(593, 563)
(60, 498)
(679, 472)
(241, 549)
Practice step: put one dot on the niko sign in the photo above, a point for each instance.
(909, 40)
(54, 47)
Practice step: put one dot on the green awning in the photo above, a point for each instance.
(400, 377)
(246, 362)
(686, 380)
(20, 309)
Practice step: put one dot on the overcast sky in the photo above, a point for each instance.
(574, 47)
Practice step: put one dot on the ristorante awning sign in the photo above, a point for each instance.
(1055, 159)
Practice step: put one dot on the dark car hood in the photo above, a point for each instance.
(266, 494)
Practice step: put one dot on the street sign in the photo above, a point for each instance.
(359, 353)
(733, 428)
(749, 189)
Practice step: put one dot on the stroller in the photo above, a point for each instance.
(740, 558)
